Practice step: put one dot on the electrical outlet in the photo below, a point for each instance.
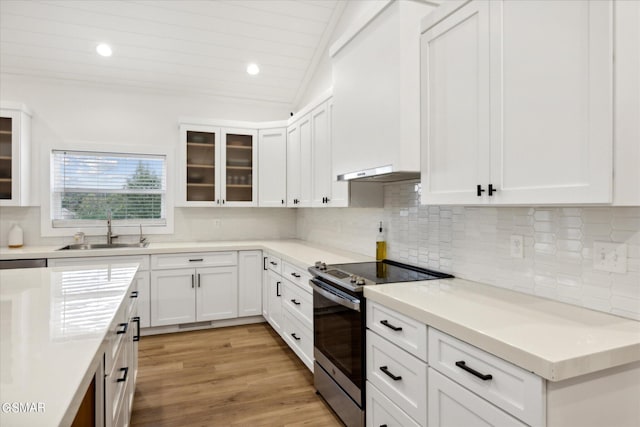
(610, 257)
(217, 223)
(517, 246)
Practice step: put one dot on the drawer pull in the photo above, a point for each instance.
(295, 302)
(390, 326)
(383, 425)
(273, 263)
(297, 338)
(124, 377)
(124, 326)
(196, 259)
(278, 289)
(462, 365)
(389, 374)
(134, 294)
(296, 275)
(264, 263)
(136, 337)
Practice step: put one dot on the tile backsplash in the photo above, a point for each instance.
(474, 243)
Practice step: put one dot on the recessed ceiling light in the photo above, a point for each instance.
(253, 69)
(104, 49)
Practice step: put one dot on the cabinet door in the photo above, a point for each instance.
(249, 283)
(265, 287)
(275, 301)
(321, 156)
(239, 161)
(199, 152)
(15, 161)
(339, 189)
(455, 119)
(272, 171)
(293, 165)
(451, 405)
(552, 114)
(144, 301)
(173, 297)
(306, 153)
(217, 296)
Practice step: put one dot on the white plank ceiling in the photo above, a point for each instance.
(177, 46)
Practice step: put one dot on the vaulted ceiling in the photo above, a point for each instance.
(178, 46)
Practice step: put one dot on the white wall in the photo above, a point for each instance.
(473, 243)
(98, 115)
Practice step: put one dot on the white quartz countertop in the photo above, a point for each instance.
(53, 324)
(301, 253)
(554, 340)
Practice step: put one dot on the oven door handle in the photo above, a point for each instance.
(351, 304)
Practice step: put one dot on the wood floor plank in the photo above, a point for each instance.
(235, 376)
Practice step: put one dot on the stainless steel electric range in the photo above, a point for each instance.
(339, 322)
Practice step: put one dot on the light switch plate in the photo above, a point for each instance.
(610, 257)
(517, 246)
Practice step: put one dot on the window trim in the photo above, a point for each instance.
(122, 228)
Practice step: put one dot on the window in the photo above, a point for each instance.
(86, 186)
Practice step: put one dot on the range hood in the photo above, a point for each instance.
(379, 174)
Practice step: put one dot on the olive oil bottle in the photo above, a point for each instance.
(381, 244)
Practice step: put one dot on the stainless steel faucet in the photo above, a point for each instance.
(110, 235)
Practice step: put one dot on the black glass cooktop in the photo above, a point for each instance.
(384, 272)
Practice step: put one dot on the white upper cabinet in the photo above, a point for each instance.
(321, 182)
(15, 152)
(518, 103)
(293, 165)
(376, 77)
(299, 154)
(217, 166)
(272, 173)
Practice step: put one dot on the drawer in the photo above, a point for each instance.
(511, 388)
(399, 375)
(298, 302)
(453, 405)
(299, 338)
(116, 384)
(407, 333)
(116, 335)
(297, 275)
(383, 412)
(196, 259)
(274, 263)
(143, 260)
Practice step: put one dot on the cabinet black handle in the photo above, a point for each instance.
(389, 374)
(273, 263)
(296, 275)
(198, 279)
(124, 327)
(264, 263)
(196, 259)
(462, 365)
(295, 302)
(278, 289)
(134, 294)
(383, 425)
(492, 190)
(193, 279)
(223, 201)
(390, 326)
(297, 338)
(136, 337)
(479, 190)
(124, 377)
(327, 199)
(282, 202)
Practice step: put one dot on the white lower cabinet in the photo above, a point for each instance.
(216, 293)
(451, 405)
(299, 337)
(274, 298)
(382, 411)
(250, 264)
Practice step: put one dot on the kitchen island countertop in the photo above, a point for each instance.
(54, 323)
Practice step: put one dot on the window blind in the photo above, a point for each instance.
(86, 186)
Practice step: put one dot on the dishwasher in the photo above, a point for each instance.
(22, 263)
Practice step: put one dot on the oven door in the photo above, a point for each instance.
(338, 337)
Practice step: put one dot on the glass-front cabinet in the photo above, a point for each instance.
(15, 126)
(217, 166)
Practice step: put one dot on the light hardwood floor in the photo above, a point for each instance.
(236, 376)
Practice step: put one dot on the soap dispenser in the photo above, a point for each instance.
(381, 244)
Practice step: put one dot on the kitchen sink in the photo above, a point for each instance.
(90, 246)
